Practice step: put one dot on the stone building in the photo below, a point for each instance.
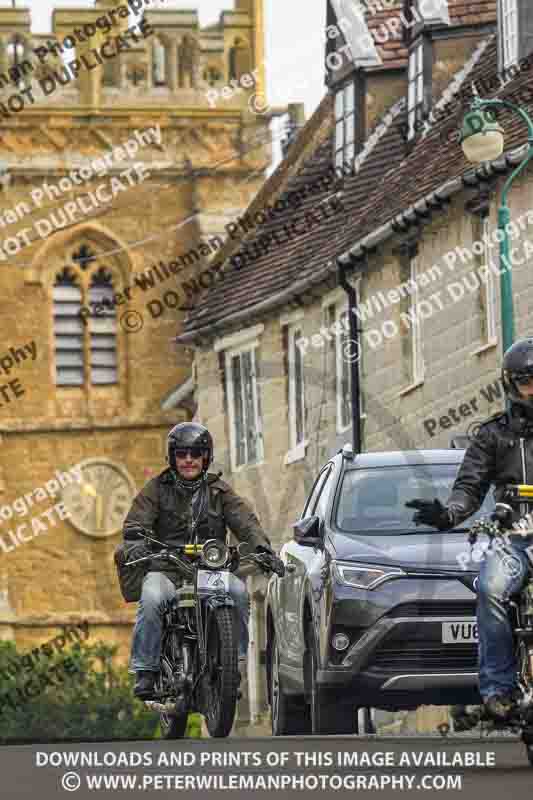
(273, 348)
(117, 178)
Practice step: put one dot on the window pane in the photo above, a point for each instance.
(339, 135)
(420, 89)
(102, 331)
(411, 96)
(350, 129)
(240, 447)
(349, 154)
(412, 64)
(339, 105)
(248, 389)
(349, 98)
(68, 334)
(339, 158)
(299, 409)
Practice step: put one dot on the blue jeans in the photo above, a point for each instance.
(157, 593)
(502, 573)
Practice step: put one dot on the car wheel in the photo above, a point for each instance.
(287, 717)
(328, 716)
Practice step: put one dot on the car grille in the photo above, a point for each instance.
(430, 608)
(415, 656)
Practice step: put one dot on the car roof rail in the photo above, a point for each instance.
(347, 452)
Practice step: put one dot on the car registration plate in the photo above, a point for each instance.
(459, 632)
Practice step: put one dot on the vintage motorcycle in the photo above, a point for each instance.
(496, 528)
(199, 649)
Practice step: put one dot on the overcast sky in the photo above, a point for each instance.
(294, 41)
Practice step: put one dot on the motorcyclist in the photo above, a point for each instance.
(500, 454)
(183, 501)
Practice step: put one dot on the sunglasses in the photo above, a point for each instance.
(523, 380)
(194, 452)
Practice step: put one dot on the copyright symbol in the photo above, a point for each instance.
(351, 351)
(257, 104)
(131, 322)
(71, 781)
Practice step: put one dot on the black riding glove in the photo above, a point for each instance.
(432, 513)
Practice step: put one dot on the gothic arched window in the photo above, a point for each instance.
(85, 324)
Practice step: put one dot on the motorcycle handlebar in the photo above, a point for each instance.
(264, 560)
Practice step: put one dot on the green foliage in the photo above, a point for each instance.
(92, 698)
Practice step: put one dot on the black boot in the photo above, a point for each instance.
(144, 687)
(502, 707)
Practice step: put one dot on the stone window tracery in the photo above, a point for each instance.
(85, 324)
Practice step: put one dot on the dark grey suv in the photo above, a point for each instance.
(372, 610)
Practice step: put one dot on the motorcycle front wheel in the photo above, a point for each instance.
(172, 726)
(222, 678)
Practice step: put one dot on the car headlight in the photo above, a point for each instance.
(214, 554)
(364, 576)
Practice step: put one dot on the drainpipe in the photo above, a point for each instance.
(355, 396)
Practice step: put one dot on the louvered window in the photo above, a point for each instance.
(68, 329)
(103, 330)
(85, 323)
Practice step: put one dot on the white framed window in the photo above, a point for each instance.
(417, 355)
(342, 351)
(297, 408)
(345, 125)
(488, 288)
(509, 32)
(244, 401)
(415, 97)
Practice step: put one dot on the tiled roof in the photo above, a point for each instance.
(389, 44)
(472, 12)
(308, 254)
(388, 183)
(430, 164)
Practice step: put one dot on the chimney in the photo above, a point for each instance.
(296, 122)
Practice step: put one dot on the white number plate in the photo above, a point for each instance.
(212, 581)
(459, 632)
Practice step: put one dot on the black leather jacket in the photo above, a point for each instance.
(501, 453)
(164, 508)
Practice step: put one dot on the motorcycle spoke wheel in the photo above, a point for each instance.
(222, 678)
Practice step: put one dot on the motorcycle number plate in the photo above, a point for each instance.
(213, 581)
(459, 632)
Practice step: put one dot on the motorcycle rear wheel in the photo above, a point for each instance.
(221, 683)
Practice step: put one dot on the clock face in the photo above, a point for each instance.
(99, 503)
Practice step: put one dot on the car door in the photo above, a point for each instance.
(300, 561)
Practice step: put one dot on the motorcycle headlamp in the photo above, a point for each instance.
(364, 576)
(214, 554)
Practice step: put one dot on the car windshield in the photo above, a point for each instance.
(373, 500)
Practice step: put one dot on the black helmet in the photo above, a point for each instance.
(189, 434)
(517, 364)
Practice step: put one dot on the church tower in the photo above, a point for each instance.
(117, 179)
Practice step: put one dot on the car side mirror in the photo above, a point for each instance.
(309, 532)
